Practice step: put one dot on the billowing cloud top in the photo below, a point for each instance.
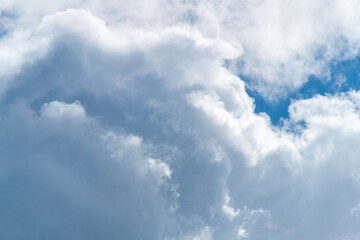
(132, 120)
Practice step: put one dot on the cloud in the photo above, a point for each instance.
(284, 42)
(228, 210)
(127, 120)
(71, 178)
(57, 109)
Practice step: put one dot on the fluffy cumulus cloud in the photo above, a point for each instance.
(131, 120)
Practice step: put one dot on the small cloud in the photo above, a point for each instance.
(242, 233)
(355, 210)
(229, 211)
(205, 234)
(159, 168)
(58, 110)
(340, 81)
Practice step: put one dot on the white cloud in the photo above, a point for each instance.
(242, 129)
(228, 210)
(160, 168)
(58, 110)
(242, 233)
(169, 132)
(205, 234)
(285, 42)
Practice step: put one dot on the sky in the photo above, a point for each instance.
(180, 120)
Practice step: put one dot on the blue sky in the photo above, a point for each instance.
(179, 120)
(345, 71)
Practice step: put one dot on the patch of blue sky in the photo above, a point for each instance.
(7, 14)
(5, 18)
(189, 17)
(344, 77)
(3, 32)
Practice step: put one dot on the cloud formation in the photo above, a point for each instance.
(130, 121)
